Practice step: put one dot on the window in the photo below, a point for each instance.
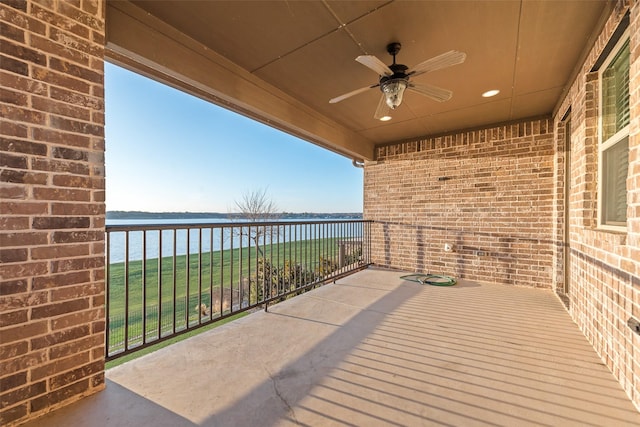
(613, 148)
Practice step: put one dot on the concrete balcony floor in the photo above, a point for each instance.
(370, 350)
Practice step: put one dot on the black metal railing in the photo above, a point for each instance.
(164, 280)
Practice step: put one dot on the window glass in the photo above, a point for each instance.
(615, 94)
(614, 173)
(613, 151)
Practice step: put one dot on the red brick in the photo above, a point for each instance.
(23, 208)
(20, 5)
(76, 236)
(71, 97)
(19, 114)
(24, 239)
(13, 192)
(13, 287)
(61, 166)
(83, 46)
(63, 336)
(24, 21)
(59, 366)
(71, 69)
(55, 78)
(65, 279)
(22, 177)
(75, 375)
(24, 147)
(24, 331)
(13, 255)
(12, 97)
(13, 65)
(78, 318)
(70, 154)
(23, 53)
(56, 223)
(76, 126)
(24, 393)
(13, 381)
(61, 194)
(97, 381)
(59, 21)
(11, 161)
(59, 108)
(78, 346)
(9, 351)
(11, 128)
(10, 415)
(60, 266)
(97, 327)
(77, 15)
(59, 395)
(27, 269)
(76, 181)
(13, 317)
(76, 209)
(51, 310)
(12, 223)
(58, 48)
(77, 291)
(59, 251)
(11, 32)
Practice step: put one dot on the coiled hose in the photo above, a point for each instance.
(430, 279)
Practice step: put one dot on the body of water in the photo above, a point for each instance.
(162, 243)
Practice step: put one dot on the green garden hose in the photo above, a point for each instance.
(430, 279)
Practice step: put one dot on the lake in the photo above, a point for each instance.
(205, 239)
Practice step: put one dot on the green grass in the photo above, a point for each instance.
(194, 279)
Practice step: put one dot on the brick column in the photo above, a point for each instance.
(52, 204)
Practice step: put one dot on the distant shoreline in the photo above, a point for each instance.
(218, 215)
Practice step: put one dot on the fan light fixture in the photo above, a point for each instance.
(393, 90)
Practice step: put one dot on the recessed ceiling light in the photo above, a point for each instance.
(490, 93)
(385, 118)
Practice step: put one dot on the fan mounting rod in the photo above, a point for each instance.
(393, 49)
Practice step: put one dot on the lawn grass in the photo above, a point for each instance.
(173, 288)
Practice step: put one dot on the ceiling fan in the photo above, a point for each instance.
(394, 79)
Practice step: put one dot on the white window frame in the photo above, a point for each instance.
(613, 140)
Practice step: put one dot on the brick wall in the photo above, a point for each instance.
(604, 265)
(501, 191)
(52, 204)
(488, 192)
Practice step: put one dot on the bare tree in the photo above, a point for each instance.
(256, 206)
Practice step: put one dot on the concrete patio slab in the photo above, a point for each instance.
(372, 349)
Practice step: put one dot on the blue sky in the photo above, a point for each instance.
(169, 151)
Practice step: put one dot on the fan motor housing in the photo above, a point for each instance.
(399, 72)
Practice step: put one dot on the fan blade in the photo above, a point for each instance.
(433, 92)
(375, 64)
(350, 94)
(447, 59)
(382, 110)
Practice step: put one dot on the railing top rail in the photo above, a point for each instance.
(183, 226)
